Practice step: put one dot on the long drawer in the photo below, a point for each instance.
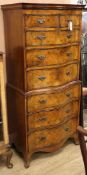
(54, 116)
(48, 99)
(56, 20)
(49, 137)
(43, 57)
(51, 76)
(49, 37)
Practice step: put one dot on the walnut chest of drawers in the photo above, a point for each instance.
(43, 66)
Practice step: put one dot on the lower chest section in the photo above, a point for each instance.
(54, 136)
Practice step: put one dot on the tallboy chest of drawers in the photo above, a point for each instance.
(43, 66)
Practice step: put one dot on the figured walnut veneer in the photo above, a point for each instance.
(43, 75)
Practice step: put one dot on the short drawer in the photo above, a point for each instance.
(74, 19)
(49, 137)
(51, 37)
(54, 116)
(48, 99)
(43, 57)
(51, 77)
(41, 21)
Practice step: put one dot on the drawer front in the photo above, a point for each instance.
(51, 77)
(43, 57)
(65, 19)
(53, 117)
(40, 38)
(41, 21)
(45, 100)
(44, 138)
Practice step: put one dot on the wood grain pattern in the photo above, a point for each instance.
(55, 37)
(51, 77)
(46, 19)
(64, 19)
(44, 57)
(14, 48)
(41, 21)
(46, 100)
(44, 138)
(54, 116)
(43, 73)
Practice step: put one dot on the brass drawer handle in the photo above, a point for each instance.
(69, 54)
(40, 21)
(68, 73)
(42, 119)
(66, 129)
(67, 111)
(43, 138)
(69, 35)
(68, 94)
(41, 37)
(41, 78)
(42, 101)
(41, 57)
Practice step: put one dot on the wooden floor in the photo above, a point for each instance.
(67, 161)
